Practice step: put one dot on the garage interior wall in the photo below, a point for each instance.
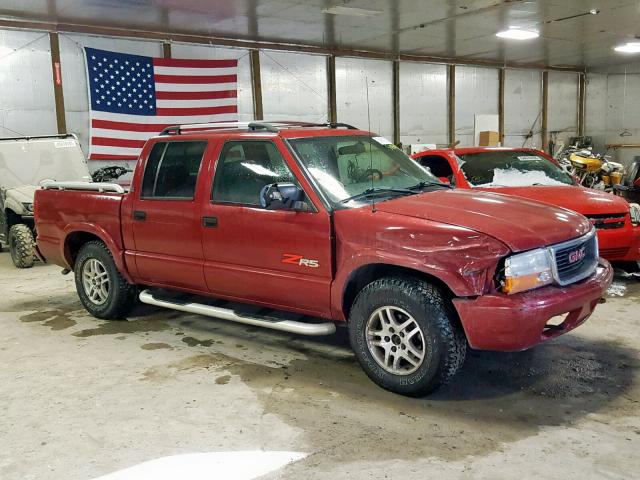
(27, 105)
(476, 94)
(294, 86)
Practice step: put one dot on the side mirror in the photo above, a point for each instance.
(283, 196)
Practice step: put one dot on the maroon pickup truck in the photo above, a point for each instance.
(297, 227)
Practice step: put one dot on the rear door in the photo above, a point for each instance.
(166, 216)
(277, 257)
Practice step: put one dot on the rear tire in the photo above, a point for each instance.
(102, 289)
(405, 337)
(21, 245)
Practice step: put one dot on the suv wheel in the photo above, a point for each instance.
(402, 333)
(103, 291)
(21, 245)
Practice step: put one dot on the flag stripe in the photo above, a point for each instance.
(196, 72)
(182, 87)
(177, 62)
(213, 102)
(127, 134)
(197, 111)
(191, 79)
(164, 120)
(117, 142)
(196, 95)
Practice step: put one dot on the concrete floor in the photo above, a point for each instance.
(81, 398)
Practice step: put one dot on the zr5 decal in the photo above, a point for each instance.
(293, 259)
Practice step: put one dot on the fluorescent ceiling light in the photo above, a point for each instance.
(353, 11)
(630, 47)
(518, 34)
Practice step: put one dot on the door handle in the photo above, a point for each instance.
(139, 215)
(210, 222)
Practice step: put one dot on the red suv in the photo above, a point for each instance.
(298, 227)
(532, 174)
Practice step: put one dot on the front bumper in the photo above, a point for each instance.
(618, 245)
(516, 322)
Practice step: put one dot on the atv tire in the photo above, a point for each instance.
(22, 246)
(405, 335)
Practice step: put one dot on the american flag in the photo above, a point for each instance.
(134, 97)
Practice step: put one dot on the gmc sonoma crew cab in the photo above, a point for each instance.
(297, 227)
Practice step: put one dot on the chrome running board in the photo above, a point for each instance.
(283, 325)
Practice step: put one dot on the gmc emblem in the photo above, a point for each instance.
(577, 255)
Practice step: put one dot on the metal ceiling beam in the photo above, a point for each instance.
(256, 45)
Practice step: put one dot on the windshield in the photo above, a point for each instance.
(367, 168)
(511, 169)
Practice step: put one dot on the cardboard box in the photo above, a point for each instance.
(489, 139)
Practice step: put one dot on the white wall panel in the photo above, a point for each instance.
(423, 103)
(27, 105)
(476, 94)
(522, 108)
(623, 114)
(74, 79)
(294, 86)
(562, 116)
(205, 52)
(596, 109)
(352, 75)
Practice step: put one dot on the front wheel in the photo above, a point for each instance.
(21, 245)
(404, 336)
(103, 291)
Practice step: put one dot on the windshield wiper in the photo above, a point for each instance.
(370, 192)
(424, 184)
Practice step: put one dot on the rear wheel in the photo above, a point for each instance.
(21, 245)
(403, 333)
(103, 291)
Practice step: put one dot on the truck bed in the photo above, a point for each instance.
(61, 212)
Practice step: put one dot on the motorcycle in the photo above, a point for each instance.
(592, 170)
(630, 186)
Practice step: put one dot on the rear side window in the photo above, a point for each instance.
(172, 170)
(244, 168)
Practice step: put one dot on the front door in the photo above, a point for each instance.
(166, 217)
(277, 257)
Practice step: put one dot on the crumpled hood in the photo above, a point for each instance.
(22, 194)
(520, 224)
(579, 199)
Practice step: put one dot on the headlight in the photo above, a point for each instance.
(28, 207)
(526, 271)
(635, 214)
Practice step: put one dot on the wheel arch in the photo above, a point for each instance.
(368, 273)
(75, 239)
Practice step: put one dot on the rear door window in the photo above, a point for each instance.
(172, 170)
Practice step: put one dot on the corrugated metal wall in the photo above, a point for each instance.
(423, 103)
(476, 93)
(523, 107)
(295, 87)
(563, 105)
(27, 105)
(353, 75)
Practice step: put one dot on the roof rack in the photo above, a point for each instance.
(251, 126)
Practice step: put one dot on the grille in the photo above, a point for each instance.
(576, 259)
(608, 221)
(614, 253)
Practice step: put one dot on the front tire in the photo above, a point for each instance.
(21, 245)
(404, 336)
(103, 291)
